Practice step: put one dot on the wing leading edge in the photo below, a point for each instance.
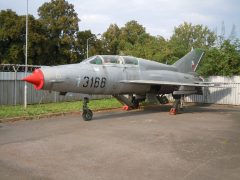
(169, 83)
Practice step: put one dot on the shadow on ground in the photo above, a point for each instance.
(189, 108)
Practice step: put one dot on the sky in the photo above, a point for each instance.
(159, 17)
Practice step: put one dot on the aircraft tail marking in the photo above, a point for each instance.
(190, 61)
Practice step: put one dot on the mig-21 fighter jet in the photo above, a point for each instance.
(124, 75)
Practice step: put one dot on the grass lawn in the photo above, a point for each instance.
(40, 109)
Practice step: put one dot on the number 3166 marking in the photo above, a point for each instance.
(94, 82)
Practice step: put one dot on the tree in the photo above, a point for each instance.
(37, 42)
(60, 20)
(12, 35)
(82, 37)
(149, 47)
(130, 34)
(187, 36)
(12, 39)
(95, 46)
(223, 61)
(110, 40)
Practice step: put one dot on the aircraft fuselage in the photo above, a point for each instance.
(107, 77)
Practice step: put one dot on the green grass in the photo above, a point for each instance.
(41, 109)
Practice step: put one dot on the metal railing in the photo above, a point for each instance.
(17, 68)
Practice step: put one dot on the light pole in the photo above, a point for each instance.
(26, 56)
(89, 39)
(87, 44)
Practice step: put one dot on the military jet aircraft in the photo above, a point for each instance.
(123, 75)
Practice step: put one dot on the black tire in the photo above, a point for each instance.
(87, 115)
(135, 103)
(163, 99)
(176, 96)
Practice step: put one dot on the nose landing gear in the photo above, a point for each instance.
(87, 113)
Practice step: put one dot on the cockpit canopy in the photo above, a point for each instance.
(111, 59)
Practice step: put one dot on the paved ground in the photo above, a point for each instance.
(202, 143)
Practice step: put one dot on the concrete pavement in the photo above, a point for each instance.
(201, 143)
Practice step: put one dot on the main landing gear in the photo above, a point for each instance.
(87, 113)
(129, 102)
(178, 104)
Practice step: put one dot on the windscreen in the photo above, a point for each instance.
(130, 60)
(108, 59)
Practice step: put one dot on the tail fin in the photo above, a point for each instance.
(190, 61)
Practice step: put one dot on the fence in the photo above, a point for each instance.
(229, 93)
(12, 90)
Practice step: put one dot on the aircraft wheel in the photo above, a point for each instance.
(87, 115)
(135, 103)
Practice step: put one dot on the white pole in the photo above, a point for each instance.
(26, 56)
(89, 39)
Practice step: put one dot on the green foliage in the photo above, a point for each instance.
(82, 37)
(60, 21)
(148, 47)
(11, 37)
(187, 36)
(131, 32)
(111, 40)
(37, 42)
(95, 46)
(54, 38)
(132, 39)
(224, 61)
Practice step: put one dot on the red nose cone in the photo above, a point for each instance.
(36, 78)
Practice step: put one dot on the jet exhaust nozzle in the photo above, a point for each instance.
(36, 78)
